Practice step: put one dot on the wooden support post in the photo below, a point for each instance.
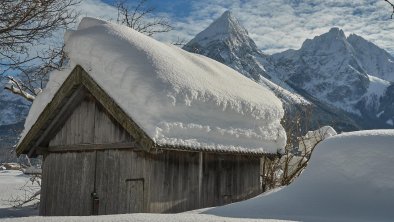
(200, 175)
(262, 173)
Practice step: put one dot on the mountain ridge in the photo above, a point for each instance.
(328, 71)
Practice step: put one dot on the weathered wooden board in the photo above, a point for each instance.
(127, 181)
(173, 180)
(134, 196)
(67, 183)
(89, 124)
(85, 157)
(228, 178)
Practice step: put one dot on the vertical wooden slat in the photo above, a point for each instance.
(67, 183)
(89, 124)
(45, 185)
(200, 177)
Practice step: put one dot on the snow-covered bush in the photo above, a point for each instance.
(284, 169)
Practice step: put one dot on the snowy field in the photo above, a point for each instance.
(11, 182)
(350, 178)
(139, 217)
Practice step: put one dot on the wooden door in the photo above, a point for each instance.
(134, 195)
(89, 183)
(67, 183)
(118, 188)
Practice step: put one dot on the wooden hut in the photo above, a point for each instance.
(99, 159)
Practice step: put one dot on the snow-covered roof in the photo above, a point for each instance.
(177, 98)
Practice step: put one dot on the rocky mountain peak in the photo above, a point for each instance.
(375, 60)
(228, 42)
(346, 73)
(333, 41)
(226, 29)
(355, 38)
(337, 32)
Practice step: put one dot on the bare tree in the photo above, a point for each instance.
(24, 23)
(300, 144)
(32, 78)
(392, 6)
(28, 23)
(140, 18)
(29, 193)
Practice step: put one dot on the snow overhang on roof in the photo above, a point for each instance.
(177, 98)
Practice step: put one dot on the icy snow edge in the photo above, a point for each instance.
(176, 97)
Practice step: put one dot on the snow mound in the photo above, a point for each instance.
(176, 97)
(312, 138)
(349, 178)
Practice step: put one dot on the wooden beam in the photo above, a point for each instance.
(93, 147)
(49, 111)
(61, 117)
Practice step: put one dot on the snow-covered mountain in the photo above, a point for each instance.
(374, 60)
(344, 78)
(327, 68)
(348, 73)
(228, 42)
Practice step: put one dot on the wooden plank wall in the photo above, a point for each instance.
(163, 182)
(169, 180)
(229, 178)
(90, 124)
(173, 182)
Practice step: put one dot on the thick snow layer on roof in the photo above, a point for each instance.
(349, 178)
(176, 97)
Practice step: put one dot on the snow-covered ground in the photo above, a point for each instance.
(350, 178)
(11, 187)
(140, 217)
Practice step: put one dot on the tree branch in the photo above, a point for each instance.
(392, 6)
(15, 87)
(140, 18)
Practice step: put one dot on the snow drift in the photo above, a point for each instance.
(350, 178)
(176, 97)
